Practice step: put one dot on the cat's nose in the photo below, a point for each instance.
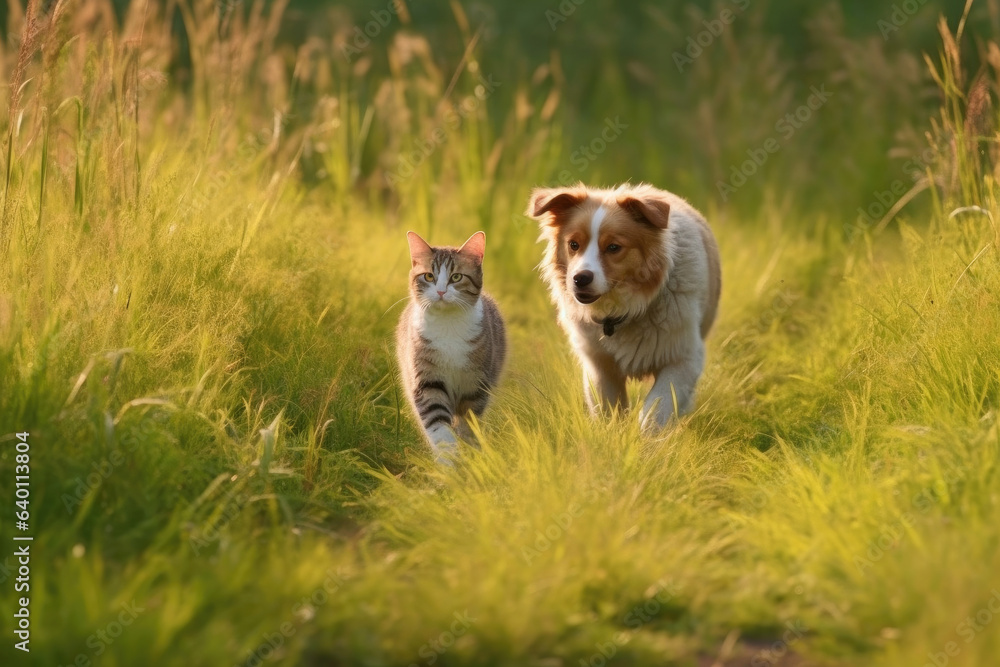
(583, 278)
(440, 292)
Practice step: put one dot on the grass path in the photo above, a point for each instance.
(838, 475)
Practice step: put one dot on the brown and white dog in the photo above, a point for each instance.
(634, 272)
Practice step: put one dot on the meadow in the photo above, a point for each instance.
(203, 258)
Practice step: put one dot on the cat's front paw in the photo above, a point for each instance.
(445, 453)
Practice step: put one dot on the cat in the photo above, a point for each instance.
(451, 342)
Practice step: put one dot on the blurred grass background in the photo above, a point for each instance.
(202, 241)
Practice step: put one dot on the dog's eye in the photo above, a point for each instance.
(455, 277)
(574, 246)
(429, 277)
(613, 248)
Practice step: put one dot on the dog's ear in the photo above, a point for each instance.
(647, 208)
(548, 204)
(475, 247)
(418, 248)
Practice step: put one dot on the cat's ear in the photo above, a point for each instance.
(475, 247)
(418, 247)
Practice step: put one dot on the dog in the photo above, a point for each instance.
(634, 273)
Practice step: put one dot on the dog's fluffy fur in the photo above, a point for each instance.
(634, 273)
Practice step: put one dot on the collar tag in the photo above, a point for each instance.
(610, 323)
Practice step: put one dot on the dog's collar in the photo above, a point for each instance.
(609, 323)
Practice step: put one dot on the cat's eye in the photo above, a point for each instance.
(455, 277)
(574, 246)
(613, 248)
(429, 277)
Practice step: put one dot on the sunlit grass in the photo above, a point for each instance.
(195, 327)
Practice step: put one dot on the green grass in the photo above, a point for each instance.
(196, 317)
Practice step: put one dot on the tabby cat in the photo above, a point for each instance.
(450, 342)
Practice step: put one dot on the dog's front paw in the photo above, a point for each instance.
(657, 413)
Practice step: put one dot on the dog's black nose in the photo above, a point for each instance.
(583, 278)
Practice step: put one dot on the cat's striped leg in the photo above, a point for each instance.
(437, 417)
(474, 403)
(444, 443)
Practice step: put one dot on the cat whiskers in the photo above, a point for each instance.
(405, 298)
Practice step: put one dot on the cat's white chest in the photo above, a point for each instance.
(451, 333)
